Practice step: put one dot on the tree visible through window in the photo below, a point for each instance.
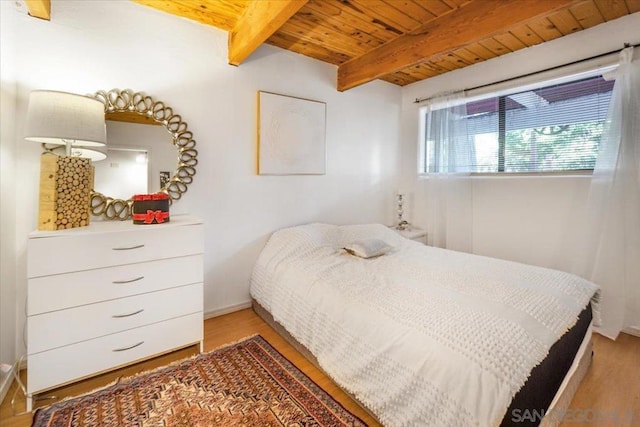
(556, 128)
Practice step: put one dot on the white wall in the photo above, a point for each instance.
(88, 46)
(8, 89)
(517, 218)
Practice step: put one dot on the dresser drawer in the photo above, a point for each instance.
(110, 317)
(69, 252)
(56, 367)
(60, 291)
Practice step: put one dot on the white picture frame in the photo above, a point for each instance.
(291, 135)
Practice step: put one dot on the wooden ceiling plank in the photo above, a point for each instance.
(587, 14)
(399, 78)
(408, 82)
(468, 56)
(258, 22)
(436, 68)
(450, 62)
(324, 37)
(479, 19)
(374, 23)
(335, 12)
(385, 13)
(481, 51)
(633, 5)
(494, 46)
(442, 62)
(510, 41)
(338, 12)
(339, 26)
(430, 72)
(312, 50)
(39, 8)
(420, 71)
(457, 60)
(456, 3)
(565, 22)
(406, 76)
(544, 28)
(424, 70)
(412, 9)
(436, 7)
(526, 35)
(411, 73)
(612, 9)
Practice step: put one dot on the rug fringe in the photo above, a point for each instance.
(229, 344)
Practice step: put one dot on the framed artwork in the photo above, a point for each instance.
(291, 135)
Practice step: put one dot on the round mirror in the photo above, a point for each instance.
(136, 107)
(138, 155)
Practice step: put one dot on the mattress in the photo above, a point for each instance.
(420, 336)
(534, 399)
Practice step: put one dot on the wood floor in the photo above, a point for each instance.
(608, 396)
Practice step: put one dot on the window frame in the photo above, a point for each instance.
(501, 90)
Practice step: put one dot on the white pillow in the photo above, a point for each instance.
(368, 248)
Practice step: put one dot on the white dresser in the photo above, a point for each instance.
(110, 294)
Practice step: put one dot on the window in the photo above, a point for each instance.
(553, 128)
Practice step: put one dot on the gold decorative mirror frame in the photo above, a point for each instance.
(137, 103)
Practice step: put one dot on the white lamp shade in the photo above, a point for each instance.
(95, 153)
(62, 118)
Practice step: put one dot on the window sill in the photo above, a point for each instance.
(586, 172)
(552, 174)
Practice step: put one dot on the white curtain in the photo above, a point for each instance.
(449, 156)
(606, 241)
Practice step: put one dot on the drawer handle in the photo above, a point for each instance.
(129, 248)
(119, 316)
(120, 282)
(128, 348)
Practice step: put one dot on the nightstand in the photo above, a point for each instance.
(413, 233)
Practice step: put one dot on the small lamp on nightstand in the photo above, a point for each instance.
(77, 123)
(401, 224)
(404, 228)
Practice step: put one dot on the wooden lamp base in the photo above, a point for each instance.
(65, 188)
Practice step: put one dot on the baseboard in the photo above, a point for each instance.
(6, 378)
(633, 330)
(226, 310)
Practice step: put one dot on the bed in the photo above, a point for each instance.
(422, 336)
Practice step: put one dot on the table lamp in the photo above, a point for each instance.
(77, 123)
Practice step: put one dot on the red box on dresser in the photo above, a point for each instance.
(150, 208)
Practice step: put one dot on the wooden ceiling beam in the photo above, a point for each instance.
(218, 17)
(39, 8)
(474, 21)
(259, 21)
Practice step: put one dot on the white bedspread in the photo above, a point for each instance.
(422, 336)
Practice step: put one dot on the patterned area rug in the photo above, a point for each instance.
(248, 383)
